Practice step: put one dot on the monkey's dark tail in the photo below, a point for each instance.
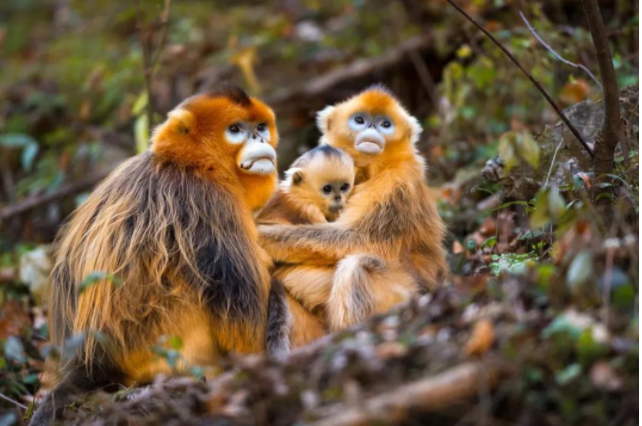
(277, 337)
(77, 382)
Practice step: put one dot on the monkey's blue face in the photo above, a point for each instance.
(371, 131)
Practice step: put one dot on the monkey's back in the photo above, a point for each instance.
(161, 239)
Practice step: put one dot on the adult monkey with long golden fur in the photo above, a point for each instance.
(387, 244)
(175, 225)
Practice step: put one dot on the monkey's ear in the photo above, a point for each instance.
(324, 118)
(181, 121)
(415, 129)
(296, 174)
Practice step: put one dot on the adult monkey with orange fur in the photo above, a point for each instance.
(387, 244)
(175, 225)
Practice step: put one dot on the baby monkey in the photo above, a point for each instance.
(315, 189)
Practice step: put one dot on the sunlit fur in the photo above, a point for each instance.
(299, 200)
(175, 226)
(391, 216)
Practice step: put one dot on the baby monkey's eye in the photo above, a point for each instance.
(327, 189)
(345, 187)
(386, 124)
(234, 128)
(261, 127)
(359, 120)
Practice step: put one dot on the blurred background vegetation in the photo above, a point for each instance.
(83, 82)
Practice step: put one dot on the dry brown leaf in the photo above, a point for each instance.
(387, 350)
(575, 91)
(13, 318)
(481, 339)
(586, 178)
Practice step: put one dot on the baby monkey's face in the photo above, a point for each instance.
(335, 194)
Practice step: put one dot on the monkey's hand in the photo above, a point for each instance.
(307, 243)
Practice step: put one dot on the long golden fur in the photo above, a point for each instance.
(175, 226)
(387, 244)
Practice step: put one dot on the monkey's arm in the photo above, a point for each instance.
(325, 243)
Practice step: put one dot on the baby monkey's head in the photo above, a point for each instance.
(323, 176)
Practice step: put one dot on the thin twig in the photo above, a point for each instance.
(147, 71)
(424, 76)
(550, 169)
(557, 55)
(6, 398)
(164, 23)
(149, 59)
(550, 100)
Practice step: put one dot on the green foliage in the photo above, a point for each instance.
(98, 277)
(512, 263)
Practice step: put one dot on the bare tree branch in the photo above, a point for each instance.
(36, 201)
(557, 55)
(550, 100)
(612, 131)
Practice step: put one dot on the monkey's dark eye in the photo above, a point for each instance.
(386, 124)
(234, 128)
(261, 127)
(359, 120)
(327, 189)
(345, 187)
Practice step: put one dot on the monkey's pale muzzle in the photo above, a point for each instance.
(370, 141)
(257, 158)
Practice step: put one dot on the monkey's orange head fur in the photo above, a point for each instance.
(228, 135)
(370, 126)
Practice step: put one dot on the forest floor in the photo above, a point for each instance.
(538, 323)
(533, 328)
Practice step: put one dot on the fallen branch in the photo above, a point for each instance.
(557, 55)
(544, 93)
(429, 394)
(36, 201)
(356, 69)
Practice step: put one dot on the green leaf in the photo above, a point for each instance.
(175, 342)
(507, 151)
(528, 149)
(587, 348)
(28, 144)
(141, 133)
(13, 350)
(95, 277)
(72, 344)
(581, 269)
(490, 242)
(569, 374)
(556, 204)
(140, 104)
(540, 215)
